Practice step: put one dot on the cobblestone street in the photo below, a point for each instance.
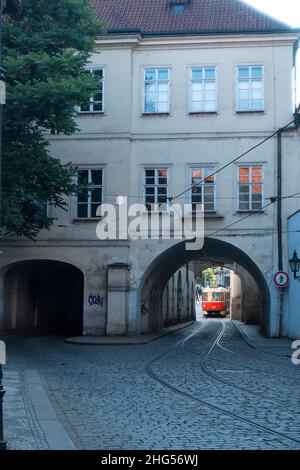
(203, 387)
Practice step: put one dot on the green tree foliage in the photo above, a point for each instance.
(46, 49)
(207, 277)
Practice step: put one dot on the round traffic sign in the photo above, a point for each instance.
(281, 279)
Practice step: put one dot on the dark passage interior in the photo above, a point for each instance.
(46, 296)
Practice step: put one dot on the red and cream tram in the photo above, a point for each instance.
(215, 300)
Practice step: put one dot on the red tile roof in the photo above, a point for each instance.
(201, 16)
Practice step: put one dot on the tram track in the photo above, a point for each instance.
(151, 373)
(228, 382)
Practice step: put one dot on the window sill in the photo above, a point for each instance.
(89, 220)
(251, 111)
(203, 113)
(213, 215)
(156, 114)
(250, 212)
(208, 214)
(90, 113)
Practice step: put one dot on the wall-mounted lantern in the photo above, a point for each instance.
(295, 265)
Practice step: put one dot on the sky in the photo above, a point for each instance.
(285, 10)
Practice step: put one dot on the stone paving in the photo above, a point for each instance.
(168, 394)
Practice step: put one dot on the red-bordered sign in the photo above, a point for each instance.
(281, 279)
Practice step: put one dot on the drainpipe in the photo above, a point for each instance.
(279, 230)
(279, 217)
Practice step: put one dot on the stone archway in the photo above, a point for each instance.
(217, 251)
(43, 295)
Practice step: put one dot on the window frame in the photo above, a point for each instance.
(92, 111)
(156, 68)
(203, 167)
(89, 202)
(250, 166)
(191, 80)
(156, 168)
(250, 79)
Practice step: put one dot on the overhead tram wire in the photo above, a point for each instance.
(272, 201)
(172, 198)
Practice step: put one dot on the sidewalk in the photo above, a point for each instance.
(253, 336)
(30, 422)
(126, 340)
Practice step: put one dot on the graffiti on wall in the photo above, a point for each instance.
(95, 299)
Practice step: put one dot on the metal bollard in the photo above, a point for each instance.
(2, 391)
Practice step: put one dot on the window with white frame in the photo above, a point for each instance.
(156, 182)
(250, 88)
(203, 189)
(203, 90)
(87, 202)
(95, 104)
(250, 188)
(156, 90)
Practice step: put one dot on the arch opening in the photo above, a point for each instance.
(43, 296)
(162, 273)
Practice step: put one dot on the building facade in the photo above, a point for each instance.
(185, 87)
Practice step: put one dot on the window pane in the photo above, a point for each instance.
(256, 72)
(197, 96)
(150, 74)
(163, 87)
(197, 173)
(83, 177)
(150, 106)
(197, 86)
(94, 208)
(162, 107)
(257, 85)
(244, 197)
(150, 87)
(96, 177)
(197, 107)
(82, 210)
(244, 105)
(210, 85)
(197, 198)
(244, 175)
(208, 171)
(163, 172)
(196, 74)
(85, 106)
(97, 195)
(244, 95)
(257, 104)
(98, 73)
(163, 74)
(256, 188)
(98, 96)
(244, 206)
(210, 73)
(150, 191)
(243, 72)
(244, 188)
(162, 97)
(150, 199)
(257, 175)
(243, 84)
(210, 96)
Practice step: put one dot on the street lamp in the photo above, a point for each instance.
(295, 265)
